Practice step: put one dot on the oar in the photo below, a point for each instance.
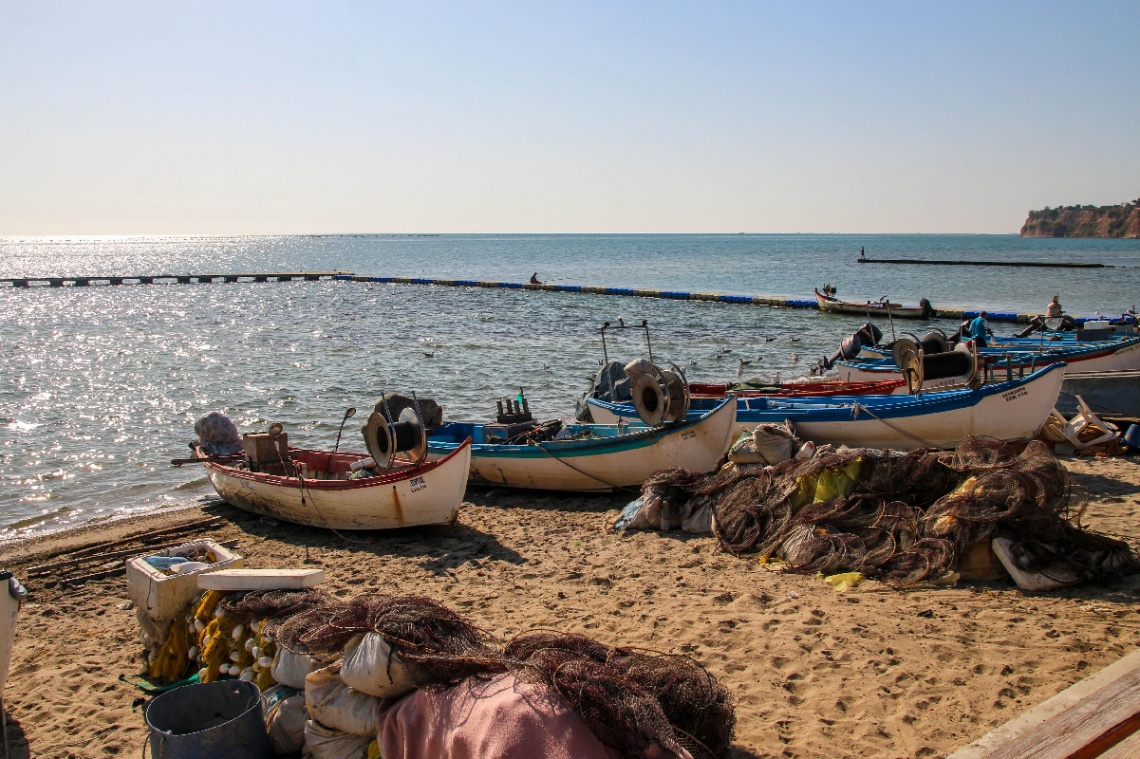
(207, 459)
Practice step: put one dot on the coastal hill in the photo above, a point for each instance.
(1085, 221)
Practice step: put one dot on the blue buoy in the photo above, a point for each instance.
(1132, 436)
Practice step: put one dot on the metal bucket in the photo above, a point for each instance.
(208, 720)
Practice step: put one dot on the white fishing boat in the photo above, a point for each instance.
(393, 485)
(591, 457)
(1011, 411)
(324, 496)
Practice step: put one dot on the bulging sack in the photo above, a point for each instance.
(743, 451)
(774, 442)
(371, 667)
(291, 669)
(332, 703)
(324, 743)
(285, 719)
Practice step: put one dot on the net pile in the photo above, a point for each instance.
(906, 519)
(631, 700)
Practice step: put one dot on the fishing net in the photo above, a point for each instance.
(908, 518)
(276, 606)
(631, 699)
(437, 645)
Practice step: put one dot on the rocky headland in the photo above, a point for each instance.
(1085, 221)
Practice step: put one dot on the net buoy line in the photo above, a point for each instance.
(170, 279)
(772, 301)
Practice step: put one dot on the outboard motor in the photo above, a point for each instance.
(865, 336)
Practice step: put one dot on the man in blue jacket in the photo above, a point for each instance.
(979, 329)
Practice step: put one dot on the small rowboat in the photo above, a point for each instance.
(800, 389)
(407, 494)
(1012, 410)
(592, 457)
(883, 307)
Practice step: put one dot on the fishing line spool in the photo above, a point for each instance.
(660, 396)
(385, 438)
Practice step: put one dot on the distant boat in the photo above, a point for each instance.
(589, 457)
(882, 306)
(1011, 411)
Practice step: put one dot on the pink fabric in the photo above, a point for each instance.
(501, 718)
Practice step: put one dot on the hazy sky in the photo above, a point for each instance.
(246, 117)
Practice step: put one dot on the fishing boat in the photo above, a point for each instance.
(406, 495)
(393, 485)
(882, 306)
(798, 389)
(588, 457)
(1123, 355)
(1011, 411)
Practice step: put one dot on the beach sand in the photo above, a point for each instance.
(816, 673)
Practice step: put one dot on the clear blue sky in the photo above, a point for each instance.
(265, 117)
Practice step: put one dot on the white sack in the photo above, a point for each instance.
(285, 719)
(323, 743)
(335, 705)
(370, 667)
(291, 669)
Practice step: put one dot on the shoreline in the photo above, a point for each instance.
(866, 672)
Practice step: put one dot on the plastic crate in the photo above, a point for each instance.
(163, 596)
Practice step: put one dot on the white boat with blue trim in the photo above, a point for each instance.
(1011, 411)
(590, 457)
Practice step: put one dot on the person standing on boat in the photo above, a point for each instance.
(862, 252)
(979, 328)
(1053, 310)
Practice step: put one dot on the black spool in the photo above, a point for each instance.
(943, 365)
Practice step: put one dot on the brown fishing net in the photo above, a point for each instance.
(907, 518)
(277, 606)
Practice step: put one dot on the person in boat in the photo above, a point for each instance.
(979, 329)
(1053, 310)
(534, 280)
(862, 252)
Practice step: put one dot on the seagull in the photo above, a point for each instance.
(429, 355)
(759, 356)
(768, 338)
(545, 366)
(744, 362)
(795, 357)
(794, 339)
(692, 362)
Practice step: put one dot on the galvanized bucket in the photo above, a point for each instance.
(207, 721)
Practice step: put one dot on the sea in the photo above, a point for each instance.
(100, 386)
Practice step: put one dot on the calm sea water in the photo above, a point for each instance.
(100, 386)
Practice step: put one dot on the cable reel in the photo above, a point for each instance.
(908, 358)
(385, 438)
(660, 396)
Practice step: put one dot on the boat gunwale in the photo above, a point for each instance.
(405, 472)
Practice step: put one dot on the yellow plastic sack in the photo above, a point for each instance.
(825, 485)
(844, 581)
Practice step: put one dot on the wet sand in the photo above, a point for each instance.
(816, 673)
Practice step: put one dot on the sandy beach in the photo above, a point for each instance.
(867, 672)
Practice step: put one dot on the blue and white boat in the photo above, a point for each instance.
(1013, 410)
(1123, 355)
(591, 457)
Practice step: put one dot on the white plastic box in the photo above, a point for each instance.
(163, 596)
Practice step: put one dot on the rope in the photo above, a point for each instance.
(559, 459)
(857, 407)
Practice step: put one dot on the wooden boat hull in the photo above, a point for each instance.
(604, 463)
(869, 309)
(405, 496)
(1009, 411)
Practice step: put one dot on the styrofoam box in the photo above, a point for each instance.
(162, 596)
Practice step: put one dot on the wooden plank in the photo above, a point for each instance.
(148, 549)
(80, 579)
(261, 579)
(1129, 748)
(1078, 723)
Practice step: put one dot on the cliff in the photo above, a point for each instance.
(1085, 221)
